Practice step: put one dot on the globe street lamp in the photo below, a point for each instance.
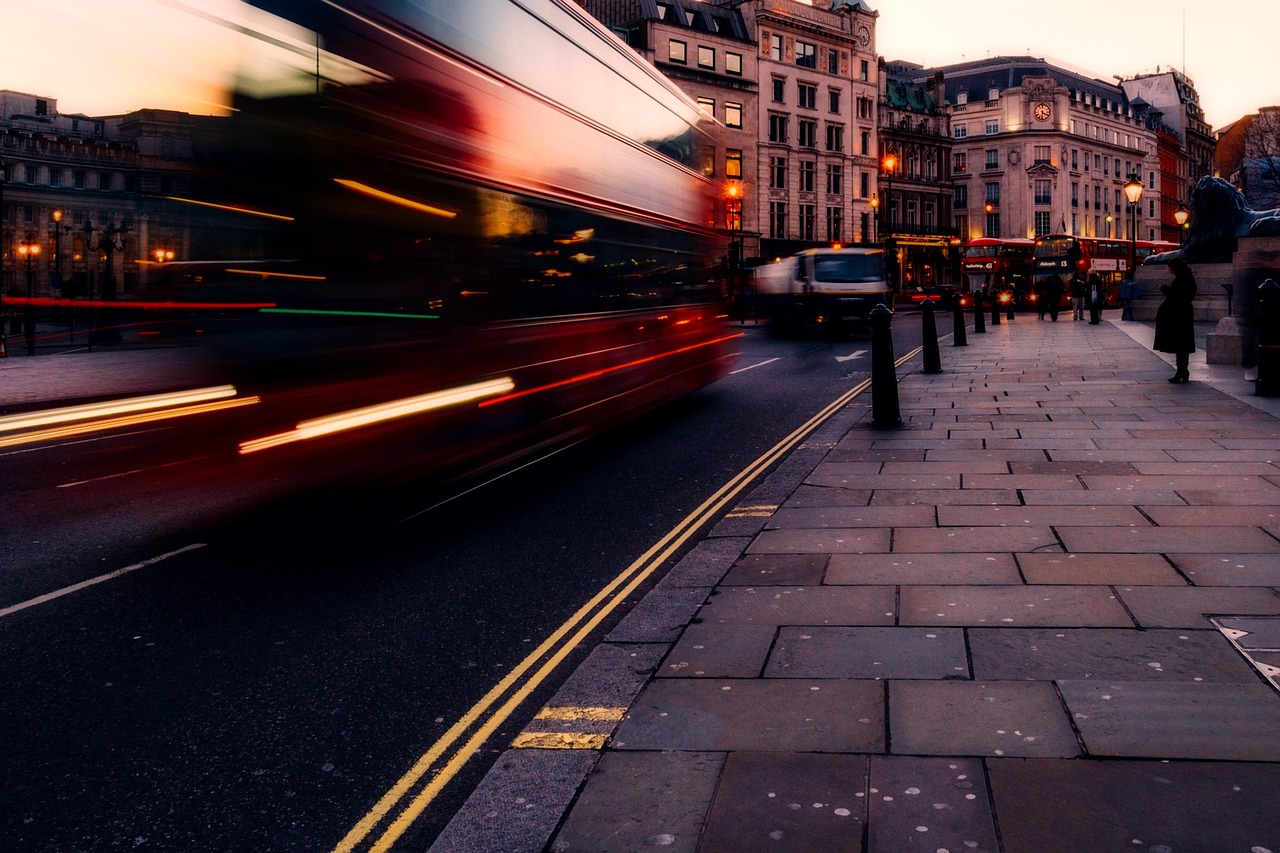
(1133, 192)
(1180, 216)
(875, 214)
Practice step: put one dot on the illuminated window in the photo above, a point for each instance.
(707, 57)
(678, 52)
(733, 163)
(708, 106)
(733, 63)
(732, 114)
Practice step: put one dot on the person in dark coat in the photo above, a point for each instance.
(1175, 319)
(1053, 295)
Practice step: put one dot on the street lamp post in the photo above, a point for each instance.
(1180, 217)
(890, 163)
(29, 249)
(875, 214)
(1133, 192)
(733, 221)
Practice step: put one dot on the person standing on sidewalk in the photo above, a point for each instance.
(1175, 319)
(1053, 295)
(1079, 290)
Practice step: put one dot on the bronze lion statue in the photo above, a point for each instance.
(1219, 217)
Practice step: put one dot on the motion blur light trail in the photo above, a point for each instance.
(377, 414)
(114, 407)
(595, 374)
(104, 424)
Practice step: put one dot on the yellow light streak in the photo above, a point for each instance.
(266, 274)
(104, 424)
(379, 413)
(231, 207)
(27, 420)
(396, 199)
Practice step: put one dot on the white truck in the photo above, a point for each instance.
(833, 287)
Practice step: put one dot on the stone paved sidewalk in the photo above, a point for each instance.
(1042, 615)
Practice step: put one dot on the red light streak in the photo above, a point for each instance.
(596, 374)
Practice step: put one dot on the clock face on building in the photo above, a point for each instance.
(1042, 112)
(864, 36)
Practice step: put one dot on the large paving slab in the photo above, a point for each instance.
(941, 497)
(1050, 806)
(1227, 569)
(1210, 516)
(844, 540)
(892, 652)
(1164, 540)
(928, 804)
(936, 568)
(636, 801)
(1148, 569)
(974, 718)
(959, 539)
(784, 801)
(1028, 516)
(777, 570)
(1050, 654)
(719, 651)
(799, 715)
(848, 516)
(801, 605)
(1210, 721)
(1190, 607)
(1011, 606)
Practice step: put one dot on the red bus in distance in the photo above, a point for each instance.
(998, 267)
(1105, 257)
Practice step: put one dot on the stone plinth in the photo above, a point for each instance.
(1222, 345)
(1220, 288)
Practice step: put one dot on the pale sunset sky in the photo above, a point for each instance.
(101, 57)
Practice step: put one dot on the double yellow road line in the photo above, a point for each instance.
(428, 776)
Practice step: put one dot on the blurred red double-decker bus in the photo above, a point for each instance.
(998, 267)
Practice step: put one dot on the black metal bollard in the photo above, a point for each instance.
(979, 322)
(959, 336)
(995, 310)
(884, 376)
(929, 338)
(1268, 382)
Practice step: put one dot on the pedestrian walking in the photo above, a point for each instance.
(1053, 295)
(1079, 290)
(1175, 319)
(1042, 298)
(1128, 293)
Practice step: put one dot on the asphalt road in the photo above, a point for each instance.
(287, 660)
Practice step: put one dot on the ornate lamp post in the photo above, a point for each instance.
(890, 162)
(1133, 192)
(28, 249)
(1180, 216)
(875, 214)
